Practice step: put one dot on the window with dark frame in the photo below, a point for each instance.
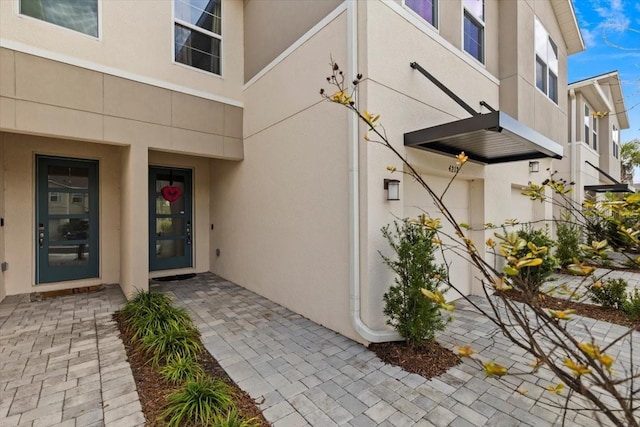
(473, 17)
(76, 15)
(426, 9)
(595, 134)
(198, 34)
(546, 55)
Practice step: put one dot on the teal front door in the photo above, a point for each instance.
(66, 226)
(170, 219)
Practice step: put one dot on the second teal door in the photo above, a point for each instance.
(170, 218)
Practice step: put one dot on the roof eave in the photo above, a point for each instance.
(568, 25)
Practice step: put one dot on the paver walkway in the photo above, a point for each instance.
(62, 363)
(304, 374)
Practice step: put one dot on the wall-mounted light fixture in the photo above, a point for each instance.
(393, 189)
(534, 167)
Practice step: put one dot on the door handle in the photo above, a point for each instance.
(41, 235)
(188, 232)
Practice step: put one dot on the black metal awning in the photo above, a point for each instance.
(616, 187)
(493, 137)
(610, 188)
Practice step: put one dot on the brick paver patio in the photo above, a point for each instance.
(62, 363)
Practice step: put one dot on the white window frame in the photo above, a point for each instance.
(614, 138)
(594, 132)
(587, 124)
(482, 25)
(200, 30)
(18, 12)
(436, 14)
(546, 61)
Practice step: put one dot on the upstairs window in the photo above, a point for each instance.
(546, 62)
(426, 9)
(198, 34)
(77, 15)
(587, 129)
(474, 28)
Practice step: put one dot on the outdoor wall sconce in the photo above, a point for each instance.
(534, 167)
(393, 189)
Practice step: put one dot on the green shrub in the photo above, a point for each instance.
(568, 242)
(610, 294)
(631, 306)
(180, 369)
(415, 317)
(149, 313)
(198, 402)
(535, 276)
(233, 419)
(175, 339)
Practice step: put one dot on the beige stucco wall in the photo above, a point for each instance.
(281, 215)
(134, 38)
(3, 291)
(270, 27)
(36, 98)
(130, 120)
(519, 96)
(18, 162)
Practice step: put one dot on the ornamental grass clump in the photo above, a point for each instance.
(175, 339)
(233, 419)
(414, 317)
(180, 369)
(149, 313)
(198, 402)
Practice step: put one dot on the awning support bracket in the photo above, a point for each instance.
(612, 179)
(445, 89)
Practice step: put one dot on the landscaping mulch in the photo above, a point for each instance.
(593, 311)
(153, 390)
(428, 360)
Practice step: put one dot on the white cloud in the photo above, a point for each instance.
(589, 37)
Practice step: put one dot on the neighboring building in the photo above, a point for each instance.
(597, 114)
(189, 136)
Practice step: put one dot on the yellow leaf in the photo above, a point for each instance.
(607, 361)
(391, 168)
(529, 263)
(577, 369)
(466, 351)
(462, 158)
(500, 284)
(510, 271)
(561, 314)
(591, 350)
(491, 369)
(556, 389)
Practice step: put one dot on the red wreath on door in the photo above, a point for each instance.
(170, 192)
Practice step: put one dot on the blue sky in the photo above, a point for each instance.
(611, 31)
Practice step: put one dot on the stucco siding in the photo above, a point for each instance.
(270, 27)
(135, 37)
(280, 217)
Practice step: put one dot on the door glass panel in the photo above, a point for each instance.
(62, 203)
(68, 229)
(68, 177)
(164, 207)
(169, 248)
(169, 227)
(68, 255)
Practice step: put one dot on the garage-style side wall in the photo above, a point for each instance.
(281, 215)
(19, 161)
